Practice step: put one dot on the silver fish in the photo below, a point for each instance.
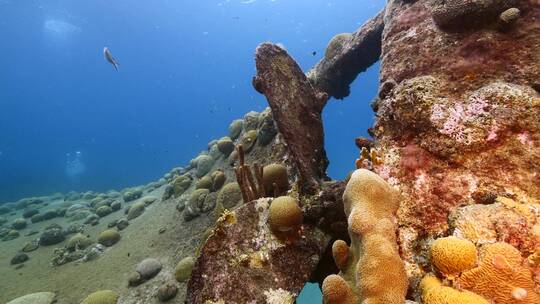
(110, 58)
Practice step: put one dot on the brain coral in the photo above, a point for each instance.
(101, 297)
(433, 292)
(500, 276)
(452, 255)
(109, 237)
(183, 269)
(229, 195)
(284, 214)
(375, 272)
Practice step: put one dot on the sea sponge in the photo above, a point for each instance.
(183, 269)
(433, 292)
(103, 211)
(248, 140)
(101, 297)
(501, 276)
(375, 273)
(136, 210)
(204, 182)
(78, 241)
(452, 255)
(225, 145)
(229, 195)
(284, 214)
(275, 175)
(109, 237)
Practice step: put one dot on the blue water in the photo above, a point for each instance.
(185, 73)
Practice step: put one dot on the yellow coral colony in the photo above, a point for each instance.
(451, 255)
(501, 276)
(372, 271)
(433, 292)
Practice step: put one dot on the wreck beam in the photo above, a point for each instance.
(296, 107)
(347, 58)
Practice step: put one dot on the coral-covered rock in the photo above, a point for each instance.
(263, 266)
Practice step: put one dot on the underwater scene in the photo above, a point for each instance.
(270, 151)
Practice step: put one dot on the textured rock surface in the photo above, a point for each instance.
(242, 261)
(457, 125)
(358, 51)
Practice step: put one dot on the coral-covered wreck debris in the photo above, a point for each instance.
(456, 135)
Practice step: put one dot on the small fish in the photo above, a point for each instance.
(110, 58)
(314, 53)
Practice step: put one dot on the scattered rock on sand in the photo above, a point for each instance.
(135, 279)
(122, 224)
(132, 195)
(148, 268)
(103, 211)
(51, 236)
(35, 298)
(19, 224)
(78, 241)
(167, 291)
(19, 258)
(136, 210)
(31, 246)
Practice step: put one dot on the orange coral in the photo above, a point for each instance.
(501, 277)
(336, 291)
(452, 255)
(340, 251)
(433, 292)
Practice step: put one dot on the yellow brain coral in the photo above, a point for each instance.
(433, 292)
(452, 255)
(501, 276)
(375, 272)
(284, 214)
